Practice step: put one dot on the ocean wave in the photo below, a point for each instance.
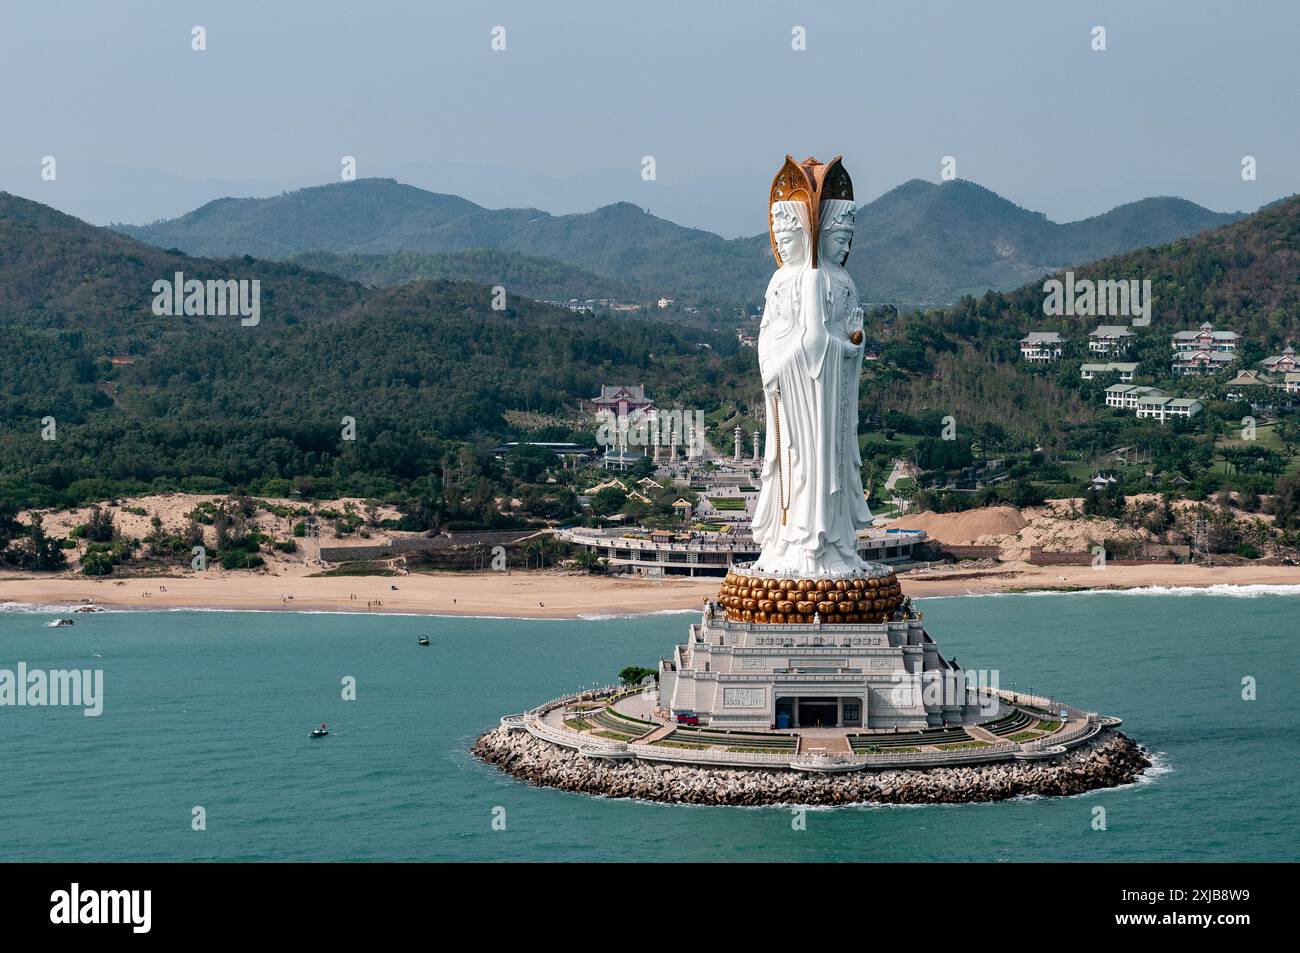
(1161, 764)
(33, 608)
(360, 612)
(1250, 591)
(605, 616)
(28, 608)
(1221, 589)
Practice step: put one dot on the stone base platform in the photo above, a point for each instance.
(1108, 759)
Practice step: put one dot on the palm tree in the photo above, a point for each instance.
(588, 560)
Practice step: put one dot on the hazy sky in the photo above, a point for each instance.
(143, 127)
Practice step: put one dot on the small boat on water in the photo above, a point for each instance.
(320, 732)
(424, 640)
(60, 623)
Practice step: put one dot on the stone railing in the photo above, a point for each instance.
(575, 741)
(560, 736)
(1067, 738)
(739, 759)
(1051, 705)
(938, 758)
(534, 722)
(734, 544)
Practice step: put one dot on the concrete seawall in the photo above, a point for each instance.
(1107, 760)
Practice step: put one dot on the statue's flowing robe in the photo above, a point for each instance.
(812, 369)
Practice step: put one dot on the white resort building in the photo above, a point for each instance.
(1166, 408)
(1109, 338)
(1041, 347)
(1125, 370)
(1151, 402)
(711, 554)
(1126, 396)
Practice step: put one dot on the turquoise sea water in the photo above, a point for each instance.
(213, 709)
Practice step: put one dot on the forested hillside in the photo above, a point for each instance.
(540, 278)
(149, 402)
(142, 401)
(964, 362)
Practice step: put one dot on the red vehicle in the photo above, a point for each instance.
(687, 718)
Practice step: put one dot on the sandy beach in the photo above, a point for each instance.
(291, 581)
(562, 594)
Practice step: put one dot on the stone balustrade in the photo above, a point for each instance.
(534, 722)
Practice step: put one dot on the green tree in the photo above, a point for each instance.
(634, 674)
(39, 550)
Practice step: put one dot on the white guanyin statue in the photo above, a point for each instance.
(811, 506)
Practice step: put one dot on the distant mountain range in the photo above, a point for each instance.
(919, 244)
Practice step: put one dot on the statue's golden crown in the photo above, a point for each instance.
(812, 183)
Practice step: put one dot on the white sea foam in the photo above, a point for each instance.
(1222, 589)
(1161, 764)
(32, 608)
(43, 609)
(602, 617)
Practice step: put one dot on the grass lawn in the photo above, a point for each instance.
(727, 502)
(613, 735)
(690, 746)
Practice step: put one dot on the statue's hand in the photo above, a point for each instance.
(855, 322)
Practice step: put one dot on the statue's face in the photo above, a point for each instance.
(789, 245)
(835, 246)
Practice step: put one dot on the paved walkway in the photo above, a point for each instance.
(663, 731)
(814, 741)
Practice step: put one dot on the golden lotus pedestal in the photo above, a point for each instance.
(871, 596)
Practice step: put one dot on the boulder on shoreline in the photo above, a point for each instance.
(1108, 760)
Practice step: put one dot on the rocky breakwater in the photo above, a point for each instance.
(1109, 759)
